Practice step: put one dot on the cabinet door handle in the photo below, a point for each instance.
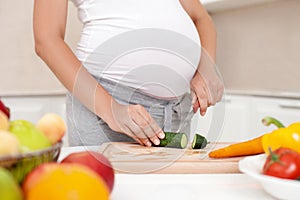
(286, 106)
(227, 100)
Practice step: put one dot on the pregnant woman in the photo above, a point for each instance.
(138, 69)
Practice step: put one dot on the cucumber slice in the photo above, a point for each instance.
(199, 142)
(174, 140)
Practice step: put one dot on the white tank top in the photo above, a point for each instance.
(150, 45)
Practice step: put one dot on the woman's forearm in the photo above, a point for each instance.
(59, 58)
(68, 69)
(49, 24)
(208, 36)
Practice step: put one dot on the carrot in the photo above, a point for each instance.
(246, 148)
(249, 147)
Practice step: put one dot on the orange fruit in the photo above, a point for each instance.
(64, 182)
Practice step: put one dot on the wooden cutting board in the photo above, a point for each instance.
(134, 158)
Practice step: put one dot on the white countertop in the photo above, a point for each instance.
(187, 186)
(181, 186)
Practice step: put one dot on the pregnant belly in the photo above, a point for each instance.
(157, 53)
(157, 72)
(156, 61)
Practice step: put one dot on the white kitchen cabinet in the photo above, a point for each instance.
(286, 110)
(233, 116)
(236, 118)
(32, 108)
(243, 115)
(220, 5)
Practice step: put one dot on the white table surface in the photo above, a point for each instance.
(181, 186)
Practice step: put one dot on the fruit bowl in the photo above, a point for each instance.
(21, 164)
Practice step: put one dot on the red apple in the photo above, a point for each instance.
(97, 162)
(4, 109)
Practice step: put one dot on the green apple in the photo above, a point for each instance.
(29, 136)
(9, 188)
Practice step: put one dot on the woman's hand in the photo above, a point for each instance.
(136, 122)
(206, 86)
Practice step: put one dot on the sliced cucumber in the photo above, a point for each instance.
(174, 140)
(199, 142)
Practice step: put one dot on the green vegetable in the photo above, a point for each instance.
(267, 121)
(199, 142)
(174, 140)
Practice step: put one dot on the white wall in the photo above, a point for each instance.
(22, 72)
(258, 48)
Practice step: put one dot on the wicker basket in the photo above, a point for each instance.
(21, 164)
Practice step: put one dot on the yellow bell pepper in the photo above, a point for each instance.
(288, 137)
(295, 127)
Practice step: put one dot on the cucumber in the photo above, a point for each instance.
(199, 142)
(174, 140)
